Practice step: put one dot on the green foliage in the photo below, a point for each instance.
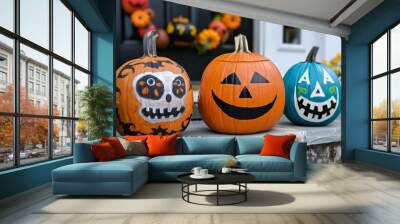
(96, 103)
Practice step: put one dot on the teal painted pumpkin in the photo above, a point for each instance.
(312, 92)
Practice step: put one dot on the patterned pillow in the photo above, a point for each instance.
(136, 147)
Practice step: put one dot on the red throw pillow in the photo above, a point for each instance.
(277, 145)
(161, 145)
(116, 145)
(103, 152)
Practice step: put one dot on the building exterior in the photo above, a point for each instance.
(34, 80)
(286, 46)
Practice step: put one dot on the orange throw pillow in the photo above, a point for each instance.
(103, 152)
(135, 137)
(161, 145)
(277, 145)
(116, 145)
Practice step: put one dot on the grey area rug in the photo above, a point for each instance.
(166, 198)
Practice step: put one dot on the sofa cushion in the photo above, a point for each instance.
(185, 163)
(206, 145)
(103, 152)
(249, 144)
(116, 145)
(257, 163)
(112, 171)
(161, 145)
(277, 145)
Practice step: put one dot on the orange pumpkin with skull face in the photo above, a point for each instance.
(241, 92)
(153, 94)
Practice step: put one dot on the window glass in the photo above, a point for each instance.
(62, 89)
(395, 95)
(30, 58)
(34, 21)
(62, 137)
(379, 135)
(62, 29)
(379, 97)
(291, 35)
(6, 142)
(379, 56)
(81, 45)
(81, 82)
(395, 135)
(81, 131)
(33, 139)
(7, 14)
(6, 74)
(395, 47)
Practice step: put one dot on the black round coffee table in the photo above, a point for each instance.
(238, 179)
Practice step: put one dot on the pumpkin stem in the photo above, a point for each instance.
(312, 54)
(149, 44)
(153, 44)
(241, 44)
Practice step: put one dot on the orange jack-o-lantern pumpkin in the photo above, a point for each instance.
(153, 94)
(241, 92)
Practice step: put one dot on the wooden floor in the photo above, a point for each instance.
(377, 188)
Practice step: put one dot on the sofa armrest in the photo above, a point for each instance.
(83, 152)
(298, 155)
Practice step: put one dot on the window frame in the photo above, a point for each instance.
(388, 74)
(16, 114)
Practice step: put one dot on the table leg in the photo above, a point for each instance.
(245, 193)
(217, 194)
(195, 188)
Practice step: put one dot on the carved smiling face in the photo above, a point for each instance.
(241, 93)
(313, 92)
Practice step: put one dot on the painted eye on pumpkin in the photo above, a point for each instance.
(231, 79)
(150, 87)
(179, 87)
(258, 78)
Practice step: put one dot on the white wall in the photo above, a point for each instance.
(284, 56)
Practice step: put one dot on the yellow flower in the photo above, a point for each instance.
(232, 22)
(209, 37)
(170, 28)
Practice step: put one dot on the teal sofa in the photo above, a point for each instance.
(125, 176)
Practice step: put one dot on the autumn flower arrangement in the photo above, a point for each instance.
(217, 32)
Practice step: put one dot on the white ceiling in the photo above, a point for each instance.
(325, 16)
(321, 9)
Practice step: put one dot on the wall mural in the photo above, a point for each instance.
(313, 93)
(241, 92)
(153, 94)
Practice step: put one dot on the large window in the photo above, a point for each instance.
(385, 91)
(291, 35)
(44, 64)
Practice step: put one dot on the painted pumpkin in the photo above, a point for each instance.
(312, 93)
(153, 94)
(241, 92)
(163, 39)
(131, 6)
(181, 31)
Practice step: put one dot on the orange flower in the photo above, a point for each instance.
(140, 18)
(209, 37)
(231, 21)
